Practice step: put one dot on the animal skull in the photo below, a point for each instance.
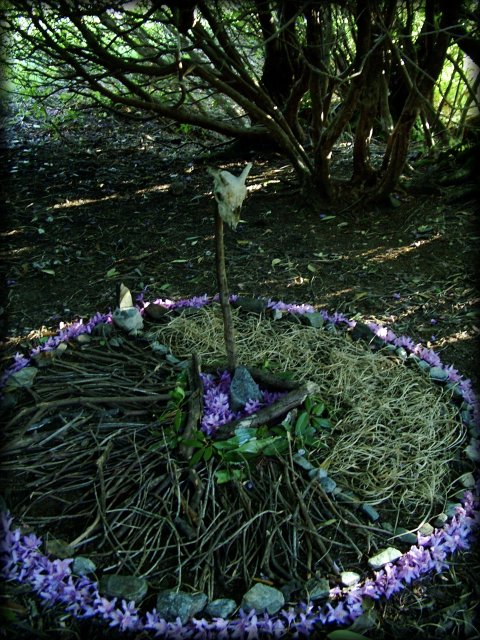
(229, 192)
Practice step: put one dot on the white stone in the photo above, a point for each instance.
(390, 554)
(129, 319)
(349, 578)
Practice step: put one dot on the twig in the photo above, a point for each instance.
(223, 291)
(195, 402)
(262, 416)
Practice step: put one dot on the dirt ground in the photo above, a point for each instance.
(99, 202)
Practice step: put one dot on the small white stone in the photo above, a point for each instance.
(129, 319)
(390, 554)
(349, 578)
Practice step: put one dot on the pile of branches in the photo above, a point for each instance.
(93, 458)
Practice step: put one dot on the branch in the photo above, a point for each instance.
(279, 408)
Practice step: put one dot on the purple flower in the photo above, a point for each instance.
(125, 618)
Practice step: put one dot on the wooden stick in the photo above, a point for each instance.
(223, 291)
(275, 410)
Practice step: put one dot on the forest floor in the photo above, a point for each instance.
(98, 202)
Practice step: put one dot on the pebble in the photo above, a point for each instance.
(390, 554)
(313, 319)
(221, 608)
(250, 305)
(317, 588)
(156, 311)
(371, 513)
(83, 566)
(261, 597)
(243, 388)
(122, 586)
(438, 374)
(406, 536)
(327, 484)
(179, 604)
(22, 379)
(401, 353)
(102, 330)
(303, 462)
(59, 548)
(129, 319)
(349, 578)
(426, 529)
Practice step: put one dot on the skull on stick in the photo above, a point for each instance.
(229, 192)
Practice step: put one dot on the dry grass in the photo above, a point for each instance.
(395, 432)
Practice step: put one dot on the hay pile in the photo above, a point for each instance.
(395, 433)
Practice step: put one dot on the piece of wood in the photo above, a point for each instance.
(287, 402)
(195, 404)
(228, 331)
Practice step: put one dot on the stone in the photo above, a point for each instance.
(440, 520)
(390, 554)
(404, 535)
(303, 462)
(158, 348)
(438, 374)
(59, 548)
(401, 353)
(83, 339)
(243, 388)
(262, 598)
(221, 608)
(467, 480)
(125, 587)
(371, 513)
(250, 305)
(22, 379)
(426, 529)
(83, 566)
(129, 319)
(361, 331)
(317, 588)
(349, 578)
(313, 319)
(156, 312)
(179, 604)
(423, 365)
(328, 485)
(102, 330)
(317, 473)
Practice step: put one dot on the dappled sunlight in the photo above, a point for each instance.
(114, 196)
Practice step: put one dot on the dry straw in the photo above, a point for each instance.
(395, 433)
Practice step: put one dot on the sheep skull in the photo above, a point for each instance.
(229, 192)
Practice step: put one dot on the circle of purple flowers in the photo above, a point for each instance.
(55, 583)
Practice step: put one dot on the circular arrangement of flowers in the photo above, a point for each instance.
(56, 584)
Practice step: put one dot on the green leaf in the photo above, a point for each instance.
(321, 423)
(50, 272)
(193, 443)
(318, 409)
(177, 421)
(276, 261)
(208, 454)
(197, 456)
(225, 445)
(303, 421)
(225, 475)
(327, 218)
(177, 394)
(244, 434)
(345, 634)
(276, 446)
